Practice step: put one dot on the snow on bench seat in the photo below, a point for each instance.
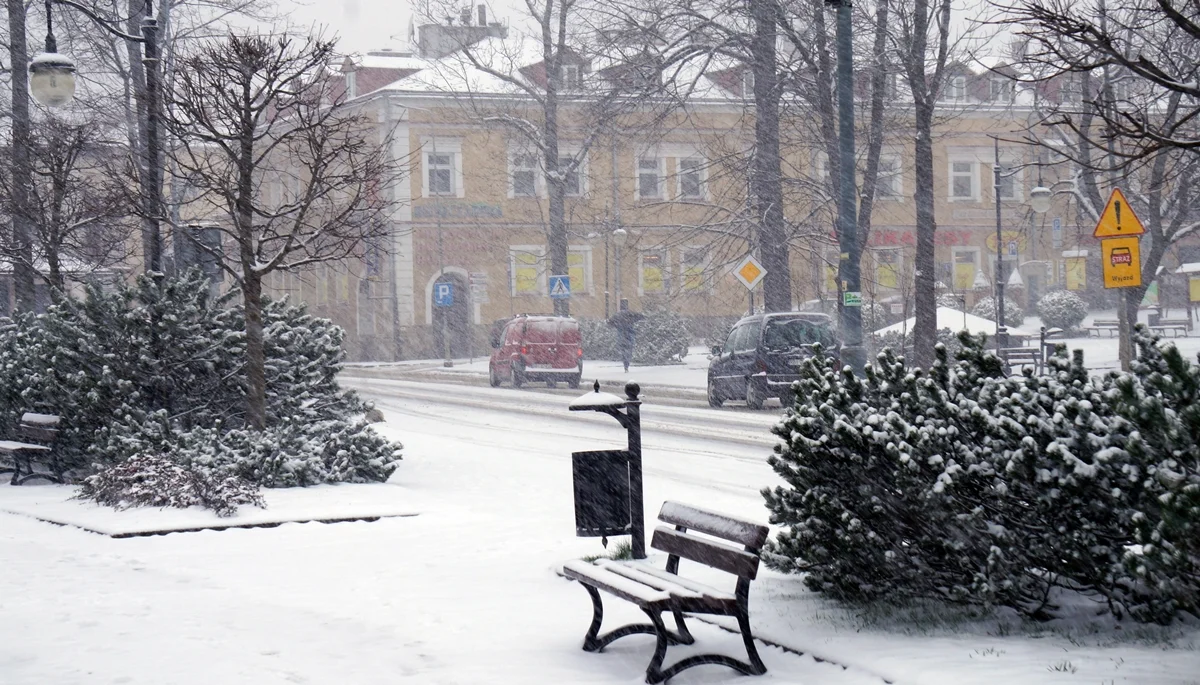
(661, 580)
(623, 587)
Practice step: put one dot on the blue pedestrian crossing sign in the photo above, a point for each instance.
(443, 294)
(560, 287)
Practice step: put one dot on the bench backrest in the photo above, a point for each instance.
(38, 427)
(676, 542)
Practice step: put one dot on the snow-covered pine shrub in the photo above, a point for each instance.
(148, 480)
(661, 337)
(986, 308)
(874, 317)
(1062, 309)
(717, 331)
(1161, 401)
(109, 361)
(599, 339)
(950, 300)
(902, 345)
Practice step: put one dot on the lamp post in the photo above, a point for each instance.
(1039, 201)
(853, 352)
(620, 236)
(52, 83)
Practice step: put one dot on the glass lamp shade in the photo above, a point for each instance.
(1039, 199)
(620, 235)
(52, 79)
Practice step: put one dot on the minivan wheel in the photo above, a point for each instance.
(573, 381)
(714, 398)
(493, 379)
(754, 398)
(518, 376)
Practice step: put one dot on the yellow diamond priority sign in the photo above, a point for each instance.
(1117, 220)
(749, 272)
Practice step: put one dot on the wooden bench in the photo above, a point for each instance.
(656, 590)
(1016, 357)
(1111, 326)
(1176, 326)
(37, 433)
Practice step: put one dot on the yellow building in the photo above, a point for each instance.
(656, 214)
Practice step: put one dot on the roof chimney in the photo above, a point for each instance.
(483, 15)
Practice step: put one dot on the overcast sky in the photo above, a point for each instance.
(362, 24)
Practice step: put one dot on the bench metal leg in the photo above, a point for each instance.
(656, 674)
(594, 642)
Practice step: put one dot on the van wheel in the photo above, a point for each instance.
(754, 398)
(715, 399)
(573, 382)
(493, 379)
(518, 376)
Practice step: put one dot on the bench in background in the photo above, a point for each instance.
(37, 433)
(1110, 326)
(656, 591)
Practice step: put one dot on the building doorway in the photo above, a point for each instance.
(456, 317)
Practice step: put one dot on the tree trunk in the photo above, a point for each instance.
(256, 381)
(766, 182)
(925, 277)
(137, 73)
(22, 253)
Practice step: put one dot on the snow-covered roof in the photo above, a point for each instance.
(596, 399)
(1188, 268)
(955, 320)
(1068, 254)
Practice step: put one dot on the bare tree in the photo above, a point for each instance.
(74, 204)
(254, 114)
(922, 41)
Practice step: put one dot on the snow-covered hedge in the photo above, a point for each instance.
(986, 308)
(1062, 309)
(968, 485)
(661, 337)
(147, 480)
(113, 363)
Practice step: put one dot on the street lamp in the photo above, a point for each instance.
(52, 83)
(620, 236)
(1039, 201)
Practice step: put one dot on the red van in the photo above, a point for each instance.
(531, 348)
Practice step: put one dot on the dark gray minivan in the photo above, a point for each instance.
(763, 354)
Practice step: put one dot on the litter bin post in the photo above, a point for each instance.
(631, 420)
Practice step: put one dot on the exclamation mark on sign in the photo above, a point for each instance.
(1117, 205)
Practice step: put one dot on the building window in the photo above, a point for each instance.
(962, 180)
(889, 183)
(525, 264)
(652, 272)
(524, 175)
(649, 185)
(691, 178)
(1009, 182)
(748, 84)
(966, 266)
(887, 269)
(573, 179)
(821, 167)
(579, 269)
(572, 78)
(1001, 88)
(956, 88)
(1072, 88)
(366, 309)
(692, 264)
(441, 173)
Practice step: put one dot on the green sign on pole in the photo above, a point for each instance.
(850, 299)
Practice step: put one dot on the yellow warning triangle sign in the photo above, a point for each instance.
(1117, 220)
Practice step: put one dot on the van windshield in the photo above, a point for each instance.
(782, 334)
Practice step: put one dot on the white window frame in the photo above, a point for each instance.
(706, 262)
(569, 154)
(701, 171)
(961, 249)
(1001, 88)
(572, 77)
(540, 252)
(666, 271)
(951, 175)
(956, 87)
(535, 169)
(748, 84)
(899, 253)
(662, 175)
(1011, 170)
(588, 283)
(897, 178)
(444, 146)
(821, 167)
(351, 84)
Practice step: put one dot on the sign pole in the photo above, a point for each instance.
(1119, 230)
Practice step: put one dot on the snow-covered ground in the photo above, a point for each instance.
(466, 592)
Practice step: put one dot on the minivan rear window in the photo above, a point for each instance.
(782, 334)
(541, 332)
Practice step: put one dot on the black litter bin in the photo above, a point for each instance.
(601, 480)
